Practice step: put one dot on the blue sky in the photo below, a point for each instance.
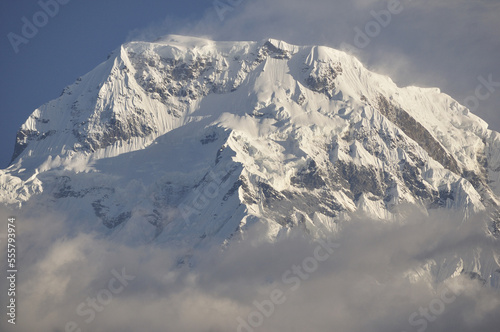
(450, 44)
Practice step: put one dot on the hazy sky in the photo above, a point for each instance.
(451, 44)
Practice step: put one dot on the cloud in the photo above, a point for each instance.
(376, 278)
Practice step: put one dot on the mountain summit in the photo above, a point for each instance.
(187, 140)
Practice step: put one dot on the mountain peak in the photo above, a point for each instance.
(293, 130)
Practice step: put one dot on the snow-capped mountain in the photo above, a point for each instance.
(187, 140)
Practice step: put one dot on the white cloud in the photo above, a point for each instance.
(361, 286)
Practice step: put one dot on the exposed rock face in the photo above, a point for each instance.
(309, 178)
(418, 133)
(115, 130)
(102, 211)
(322, 77)
(24, 137)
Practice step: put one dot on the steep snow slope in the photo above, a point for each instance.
(188, 141)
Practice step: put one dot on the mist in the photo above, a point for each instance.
(369, 275)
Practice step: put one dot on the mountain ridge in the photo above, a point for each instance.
(192, 140)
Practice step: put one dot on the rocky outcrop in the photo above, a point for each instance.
(418, 133)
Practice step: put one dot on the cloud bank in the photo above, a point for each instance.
(369, 276)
